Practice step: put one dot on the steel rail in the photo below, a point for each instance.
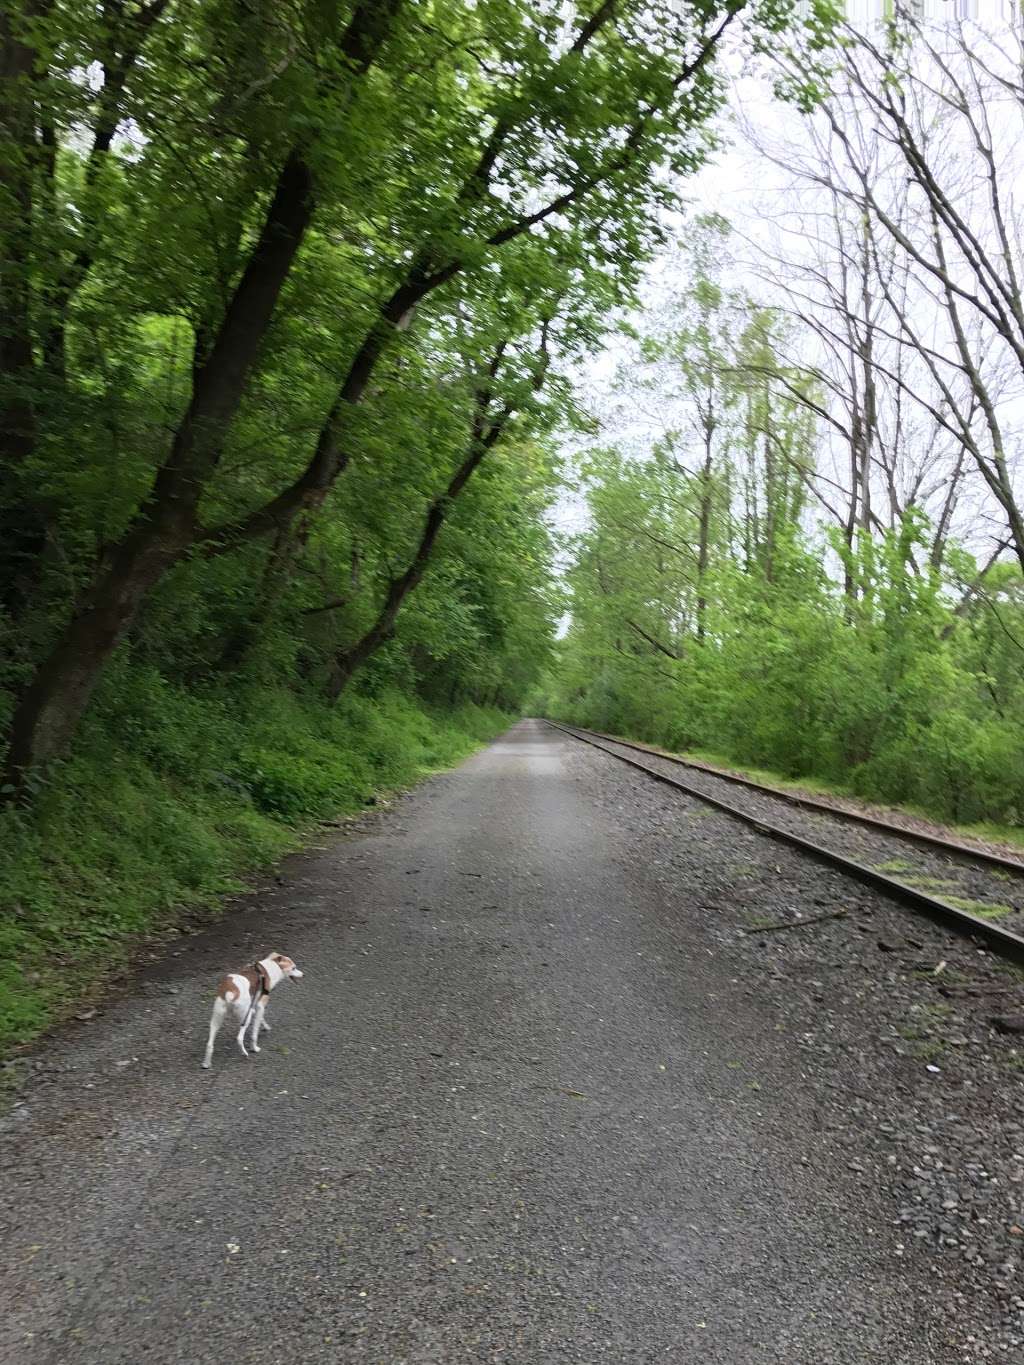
(1002, 941)
(978, 855)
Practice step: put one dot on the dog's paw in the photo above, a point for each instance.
(255, 1048)
(206, 1065)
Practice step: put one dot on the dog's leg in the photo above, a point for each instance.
(216, 1019)
(242, 1008)
(257, 1024)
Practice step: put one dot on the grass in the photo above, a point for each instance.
(921, 1029)
(939, 886)
(1011, 835)
(928, 1051)
(983, 909)
(147, 834)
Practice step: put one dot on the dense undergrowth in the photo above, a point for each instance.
(171, 801)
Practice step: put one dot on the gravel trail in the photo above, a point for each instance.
(541, 1097)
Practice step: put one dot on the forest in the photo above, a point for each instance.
(310, 482)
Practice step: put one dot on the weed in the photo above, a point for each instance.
(983, 909)
(937, 884)
(927, 1051)
(936, 1011)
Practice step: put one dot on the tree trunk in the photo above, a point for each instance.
(485, 435)
(18, 154)
(771, 508)
(348, 663)
(424, 274)
(704, 541)
(123, 39)
(243, 638)
(50, 709)
(307, 493)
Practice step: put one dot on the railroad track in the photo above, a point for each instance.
(976, 892)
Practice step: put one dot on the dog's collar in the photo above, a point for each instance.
(263, 977)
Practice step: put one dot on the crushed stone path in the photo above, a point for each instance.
(525, 1107)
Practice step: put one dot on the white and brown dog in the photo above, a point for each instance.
(244, 994)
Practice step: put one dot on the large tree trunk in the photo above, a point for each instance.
(49, 711)
(422, 276)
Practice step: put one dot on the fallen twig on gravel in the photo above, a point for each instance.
(796, 923)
